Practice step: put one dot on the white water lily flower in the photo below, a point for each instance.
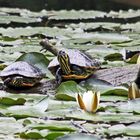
(134, 91)
(89, 102)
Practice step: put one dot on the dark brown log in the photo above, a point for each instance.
(119, 75)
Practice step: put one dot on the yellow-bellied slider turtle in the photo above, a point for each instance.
(21, 74)
(70, 63)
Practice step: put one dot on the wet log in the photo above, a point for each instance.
(119, 75)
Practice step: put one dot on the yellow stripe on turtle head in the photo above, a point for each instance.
(64, 62)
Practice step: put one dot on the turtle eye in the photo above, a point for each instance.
(62, 53)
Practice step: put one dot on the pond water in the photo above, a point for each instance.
(37, 5)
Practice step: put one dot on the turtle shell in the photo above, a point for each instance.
(22, 68)
(76, 58)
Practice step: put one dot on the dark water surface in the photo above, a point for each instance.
(37, 5)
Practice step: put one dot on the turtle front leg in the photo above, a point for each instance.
(58, 76)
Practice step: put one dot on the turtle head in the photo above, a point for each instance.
(64, 61)
(18, 81)
(13, 81)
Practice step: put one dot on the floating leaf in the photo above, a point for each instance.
(102, 37)
(78, 136)
(67, 91)
(37, 59)
(10, 101)
(73, 14)
(104, 87)
(131, 130)
(114, 57)
(27, 110)
(34, 134)
(36, 31)
(6, 19)
(130, 106)
(73, 113)
(9, 126)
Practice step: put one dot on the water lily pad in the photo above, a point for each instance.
(107, 26)
(10, 101)
(9, 126)
(114, 57)
(130, 106)
(73, 15)
(6, 19)
(73, 113)
(104, 87)
(78, 136)
(37, 59)
(59, 104)
(125, 14)
(36, 31)
(35, 110)
(102, 37)
(131, 130)
(51, 125)
(11, 43)
(67, 91)
(34, 134)
(113, 98)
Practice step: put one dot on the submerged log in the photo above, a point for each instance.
(119, 75)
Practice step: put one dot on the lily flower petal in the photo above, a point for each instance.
(96, 100)
(133, 91)
(138, 60)
(80, 102)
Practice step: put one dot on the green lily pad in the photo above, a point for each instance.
(125, 14)
(35, 110)
(67, 91)
(11, 43)
(130, 106)
(102, 37)
(37, 59)
(104, 87)
(34, 31)
(113, 98)
(51, 125)
(130, 130)
(19, 99)
(35, 134)
(107, 26)
(73, 113)
(60, 104)
(78, 136)
(10, 101)
(6, 19)
(114, 57)
(31, 134)
(73, 15)
(9, 126)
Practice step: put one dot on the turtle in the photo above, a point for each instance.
(70, 64)
(21, 74)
